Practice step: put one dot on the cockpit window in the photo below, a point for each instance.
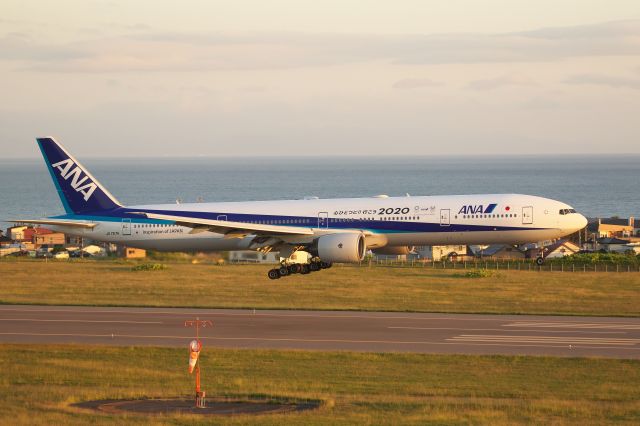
(567, 211)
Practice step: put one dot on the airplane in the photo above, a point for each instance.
(324, 230)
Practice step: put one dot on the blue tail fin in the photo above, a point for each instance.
(79, 191)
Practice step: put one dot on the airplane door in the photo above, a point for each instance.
(527, 215)
(445, 219)
(126, 226)
(323, 220)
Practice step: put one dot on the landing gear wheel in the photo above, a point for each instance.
(539, 261)
(325, 265)
(294, 269)
(273, 274)
(283, 271)
(314, 266)
(304, 269)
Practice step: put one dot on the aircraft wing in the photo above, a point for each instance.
(229, 228)
(59, 222)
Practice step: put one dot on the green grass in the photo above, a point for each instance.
(38, 384)
(340, 288)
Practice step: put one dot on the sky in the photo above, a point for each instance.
(143, 78)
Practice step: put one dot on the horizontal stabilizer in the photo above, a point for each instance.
(71, 223)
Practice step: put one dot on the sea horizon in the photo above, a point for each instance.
(595, 185)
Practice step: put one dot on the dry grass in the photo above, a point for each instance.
(339, 288)
(38, 383)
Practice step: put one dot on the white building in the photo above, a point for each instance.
(253, 256)
(440, 252)
(634, 247)
(16, 233)
(614, 245)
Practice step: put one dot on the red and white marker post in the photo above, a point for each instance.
(195, 346)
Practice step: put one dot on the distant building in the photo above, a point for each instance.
(72, 240)
(633, 247)
(439, 252)
(253, 256)
(617, 227)
(36, 236)
(613, 245)
(553, 251)
(501, 251)
(16, 233)
(131, 253)
(48, 238)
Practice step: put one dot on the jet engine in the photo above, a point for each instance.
(341, 247)
(394, 250)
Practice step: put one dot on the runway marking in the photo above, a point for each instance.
(506, 331)
(249, 313)
(258, 339)
(267, 339)
(591, 325)
(83, 321)
(545, 339)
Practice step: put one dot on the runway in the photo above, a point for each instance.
(323, 330)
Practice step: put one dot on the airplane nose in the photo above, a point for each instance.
(581, 221)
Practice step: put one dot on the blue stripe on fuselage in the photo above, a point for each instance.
(379, 226)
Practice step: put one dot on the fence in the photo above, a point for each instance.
(510, 265)
(507, 265)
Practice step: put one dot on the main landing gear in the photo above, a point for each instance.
(297, 268)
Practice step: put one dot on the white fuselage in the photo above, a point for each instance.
(388, 221)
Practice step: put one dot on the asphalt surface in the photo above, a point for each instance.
(322, 330)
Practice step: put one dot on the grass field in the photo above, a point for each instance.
(339, 288)
(38, 383)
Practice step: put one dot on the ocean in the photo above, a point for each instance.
(597, 186)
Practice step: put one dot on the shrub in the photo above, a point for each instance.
(597, 258)
(149, 267)
(478, 273)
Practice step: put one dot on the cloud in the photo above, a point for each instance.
(541, 103)
(415, 83)
(613, 29)
(604, 80)
(146, 49)
(499, 82)
(20, 46)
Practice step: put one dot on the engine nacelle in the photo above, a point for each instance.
(394, 250)
(342, 247)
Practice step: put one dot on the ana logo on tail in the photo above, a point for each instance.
(82, 185)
